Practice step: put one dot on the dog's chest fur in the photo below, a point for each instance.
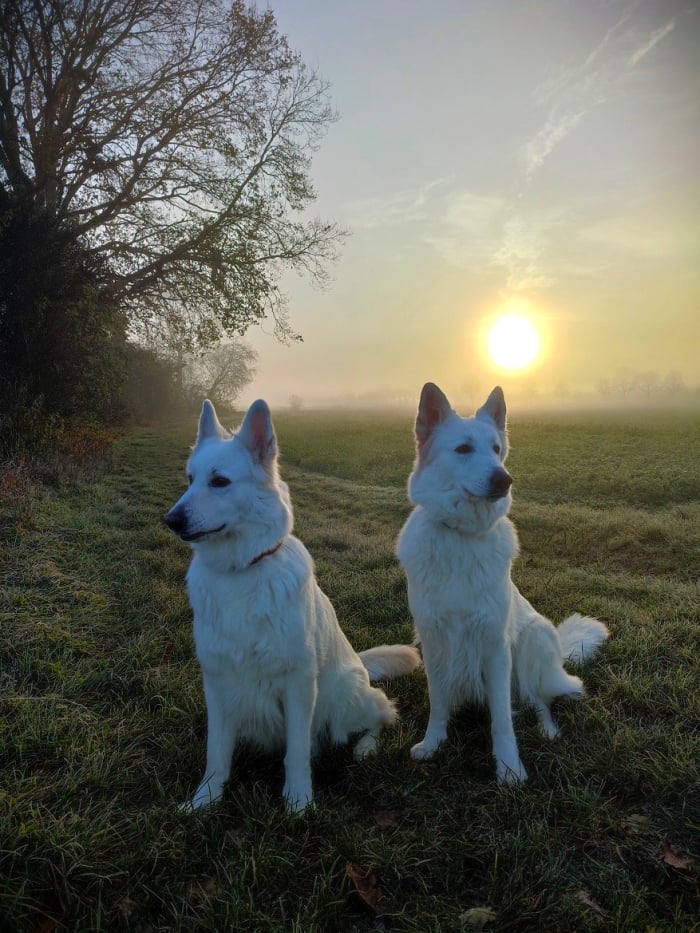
(244, 622)
(250, 632)
(457, 576)
(460, 595)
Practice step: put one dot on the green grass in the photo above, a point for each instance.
(102, 719)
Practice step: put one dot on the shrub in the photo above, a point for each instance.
(61, 339)
(152, 391)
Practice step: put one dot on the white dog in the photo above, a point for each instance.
(277, 669)
(477, 631)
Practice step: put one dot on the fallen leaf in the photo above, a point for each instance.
(210, 886)
(636, 824)
(537, 900)
(202, 890)
(589, 901)
(387, 819)
(477, 917)
(46, 925)
(168, 650)
(674, 857)
(126, 907)
(415, 763)
(366, 886)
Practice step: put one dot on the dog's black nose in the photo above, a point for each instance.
(175, 520)
(501, 481)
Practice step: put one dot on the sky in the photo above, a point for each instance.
(539, 156)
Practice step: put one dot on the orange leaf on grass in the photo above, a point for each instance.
(387, 819)
(674, 857)
(366, 886)
(636, 824)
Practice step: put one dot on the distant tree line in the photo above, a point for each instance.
(647, 384)
(154, 173)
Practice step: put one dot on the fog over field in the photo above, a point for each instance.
(529, 158)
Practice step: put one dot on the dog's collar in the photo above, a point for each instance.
(256, 560)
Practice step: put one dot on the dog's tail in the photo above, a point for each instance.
(390, 661)
(580, 637)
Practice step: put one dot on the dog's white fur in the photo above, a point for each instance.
(277, 669)
(478, 633)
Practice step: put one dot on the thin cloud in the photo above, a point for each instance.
(653, 40)
(541, 146)
(573, 93)
(473, 213)
(573, 86)
(635, 237)
(402, 207)
(608, 39)
(468, 228)
(488, 231)
(523, 245)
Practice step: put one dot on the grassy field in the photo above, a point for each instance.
(102, 720)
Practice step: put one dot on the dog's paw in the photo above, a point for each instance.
(513, 773)
(193, 806)
(205, 796)
(298, 797)
(550, 730)
(546, 722)
(423, 751)
(187, 806)
(367, 745)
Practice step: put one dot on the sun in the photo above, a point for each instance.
(513, 342)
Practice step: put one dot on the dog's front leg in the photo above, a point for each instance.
(497, 679)
(299, 704)
(438, 674)
(221, 738)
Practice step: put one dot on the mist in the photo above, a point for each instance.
(492, 153)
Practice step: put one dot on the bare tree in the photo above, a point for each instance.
(220, 373)
(174, 137)
(648, 383)
(674, 384)
(625, 382)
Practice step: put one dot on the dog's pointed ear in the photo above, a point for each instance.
(433, 408)
(209, 425)
(258, 434)
(494, 408)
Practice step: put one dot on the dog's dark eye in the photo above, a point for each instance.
(496, 449)
(218, 482)
(464, 449)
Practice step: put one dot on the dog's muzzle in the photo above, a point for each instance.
(499, 484)
(178, 522)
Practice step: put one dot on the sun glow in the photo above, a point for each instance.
(513, 342)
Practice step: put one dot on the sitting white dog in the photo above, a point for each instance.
(476, 630)
(277, 669)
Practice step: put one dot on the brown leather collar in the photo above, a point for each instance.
(272, 550)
